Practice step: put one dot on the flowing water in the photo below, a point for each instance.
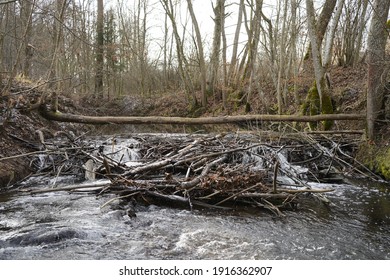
(75, 226)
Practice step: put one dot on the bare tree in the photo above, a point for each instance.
(26, 19)
(322, 23)
(318, 98)
(233, 61)
(253, 41)
(360, 32)
(202, 64)
(110, 37)
(376, 61)
(54, 66)
(2, 37)
(294, 52)
(84, 52)
(332, 30)
(219, 15)
(319, 71)
(279, 42)
(14, 68)
(224, 61)
(99, 50)
(312, 59)
(4, 25)
(280, 87)
(182, 60)
(140, 27)
(351, 30)
(54, 70)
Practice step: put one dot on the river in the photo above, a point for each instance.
(62, 225)
(74, 226)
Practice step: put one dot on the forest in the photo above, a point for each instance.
(271, 49)
(314, 62)
(173, 129)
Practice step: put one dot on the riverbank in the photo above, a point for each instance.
(21, 136)
(21, 131)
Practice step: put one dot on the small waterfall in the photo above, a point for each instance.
(42, 162)
(122, 151)
(254, 157)
(264, 158)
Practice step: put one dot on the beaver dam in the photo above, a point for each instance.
(223, 172)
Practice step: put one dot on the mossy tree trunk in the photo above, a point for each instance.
(312, 106)
(376, 61)
(318, 100)
(319, 70)
(312, 62)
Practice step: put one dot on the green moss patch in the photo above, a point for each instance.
(375, 158)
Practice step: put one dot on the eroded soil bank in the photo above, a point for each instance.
(21, 130)
(19, 136)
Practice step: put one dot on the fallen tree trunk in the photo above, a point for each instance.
(64, 117)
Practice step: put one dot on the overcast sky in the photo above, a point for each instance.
(204, 13)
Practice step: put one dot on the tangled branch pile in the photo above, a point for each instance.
(207, 171)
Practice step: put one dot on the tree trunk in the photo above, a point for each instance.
(376, 61)
(26, 10)
(219, 14)
(181, 59)
(140, 31)
(282, 59)
(330, 37)
(360, 29)
(324, 19)
(54, 71)
(233, 61)
(320, 27)
(322, 23)
(202, 64)
(294, 52)
(99, 50)
(165, 54)
(319, 71)
(253, 38)
(63, 117)
(14, 69)
(224, 66)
